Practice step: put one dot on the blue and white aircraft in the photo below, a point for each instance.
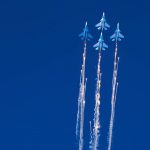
(102, 24)
(100, 45)
(85, 35)
(117, 36)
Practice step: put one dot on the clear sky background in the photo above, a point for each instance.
(40, 62)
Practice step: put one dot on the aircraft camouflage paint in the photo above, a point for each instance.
(102, 24)
(117, 35)
(100, 44)
(85, 35)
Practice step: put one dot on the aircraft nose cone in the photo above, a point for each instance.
(118, 25)
(103, 14)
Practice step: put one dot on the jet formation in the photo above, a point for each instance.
(100, 44)
(117, 36)
(102, 25)
(85, 35)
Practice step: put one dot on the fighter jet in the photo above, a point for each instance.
(85, 35)
(100, 45)
(117, 35)
(102, 24)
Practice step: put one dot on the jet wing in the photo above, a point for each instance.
(104, 45)
(113, 36)
(107, 25)
(81, 34)
(90, 36)
(96, 45)
(98, 25)
(121, 36)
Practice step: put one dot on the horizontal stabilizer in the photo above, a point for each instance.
(119, 39)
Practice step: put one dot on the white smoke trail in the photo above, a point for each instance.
(91, 136)
(96, 129)
(113, 98)
(81, 103)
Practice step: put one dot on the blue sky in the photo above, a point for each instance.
(40, 62)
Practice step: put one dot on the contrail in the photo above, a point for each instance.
(102, 25)
(81, 103)
(117, 36)
(85, 35)
(113, 97)
(96, 129)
